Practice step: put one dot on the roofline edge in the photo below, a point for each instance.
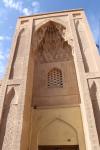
(47, 13)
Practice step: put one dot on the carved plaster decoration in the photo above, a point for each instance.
(41, 32)
(52, 46)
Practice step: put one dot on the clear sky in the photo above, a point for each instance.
(10, 10)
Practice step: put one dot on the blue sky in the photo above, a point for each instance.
(10, 10)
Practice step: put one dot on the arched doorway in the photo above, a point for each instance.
(64, 147)
(58, 135)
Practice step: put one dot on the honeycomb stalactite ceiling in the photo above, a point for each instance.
(48, 26)
(52, 47)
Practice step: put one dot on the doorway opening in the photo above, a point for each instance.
(58, 147)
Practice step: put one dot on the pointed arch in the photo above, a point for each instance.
(57, 130)
(49, 43)
(47, 21)
(54, 119)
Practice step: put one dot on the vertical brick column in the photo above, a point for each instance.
(17, 137)
(24, 109)
(6, 77)
(91, 137)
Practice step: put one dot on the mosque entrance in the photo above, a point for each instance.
(65, 147)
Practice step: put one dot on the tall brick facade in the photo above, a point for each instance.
(50, 94)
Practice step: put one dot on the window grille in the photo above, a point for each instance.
(55, 79)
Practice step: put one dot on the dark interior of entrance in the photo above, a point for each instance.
(66, 147)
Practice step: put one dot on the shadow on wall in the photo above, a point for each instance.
(86, 67)
(8, 99)
(98, 47)
(15, 54)
(96, 110)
